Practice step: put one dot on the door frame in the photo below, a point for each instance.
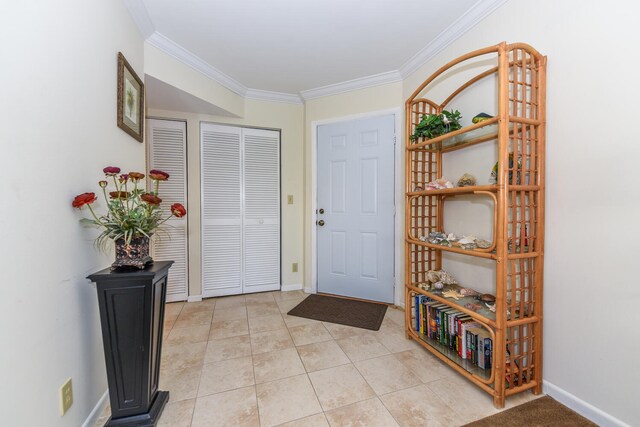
(398, 277)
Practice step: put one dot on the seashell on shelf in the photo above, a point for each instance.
(487, 298)
(438, 285)
(468, 292)
(491, 307)
(473, 307)
(466, 180)
(484, 244)
(447, 278)
(433, 276)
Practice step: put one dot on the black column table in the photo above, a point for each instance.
(132, 315)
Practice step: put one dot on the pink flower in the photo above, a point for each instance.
(111, 170)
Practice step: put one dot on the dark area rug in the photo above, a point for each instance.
(541, 412)
(361, 314)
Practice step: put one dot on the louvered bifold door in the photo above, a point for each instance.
(221, 170)
(167, 152)
(261, 153)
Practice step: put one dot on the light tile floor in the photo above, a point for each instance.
(242, 361)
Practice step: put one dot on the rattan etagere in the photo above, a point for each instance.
(518, 130)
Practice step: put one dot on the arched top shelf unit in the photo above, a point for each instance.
(510, 78)
(519, 85)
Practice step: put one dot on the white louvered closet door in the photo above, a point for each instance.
(261, 210)
(167, 152)
(220, 165)
(241, 210)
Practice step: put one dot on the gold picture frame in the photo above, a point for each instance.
(130, 100)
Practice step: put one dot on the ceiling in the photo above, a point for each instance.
(296, 46)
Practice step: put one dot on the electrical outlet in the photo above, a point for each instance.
(290, 199)
(294, 267)
(66, 397)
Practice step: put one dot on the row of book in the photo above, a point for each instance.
(454, 330)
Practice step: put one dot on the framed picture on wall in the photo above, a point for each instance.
(130, 100)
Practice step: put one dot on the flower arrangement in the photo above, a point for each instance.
(132, 212)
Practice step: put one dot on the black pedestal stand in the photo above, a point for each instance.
(132, 315)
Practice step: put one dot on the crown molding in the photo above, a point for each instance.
(350, 85)
(141, 18)
(266, 95)
(459, 27)
(172, 48)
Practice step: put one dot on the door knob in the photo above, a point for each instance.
(320, 223)
(321, 211)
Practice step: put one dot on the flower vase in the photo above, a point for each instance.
(135, 254)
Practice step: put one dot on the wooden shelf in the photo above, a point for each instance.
(483, 315)
(470, 252)
(455, 191)
(451, 355)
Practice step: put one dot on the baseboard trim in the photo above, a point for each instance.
(97, 410)
(194, 298)
(294, 287)
(585, 409)
(308, 290)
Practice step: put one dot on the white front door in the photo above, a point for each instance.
(356, 208)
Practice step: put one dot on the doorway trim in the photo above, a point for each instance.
(398, 277)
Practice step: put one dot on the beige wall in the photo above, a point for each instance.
(593, 204)
(336, 107)
(289, 119)
(58, 131)
(171, 71)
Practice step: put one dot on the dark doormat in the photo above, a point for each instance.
(361, 314)
(541, 412)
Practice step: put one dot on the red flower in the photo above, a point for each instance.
(119, 194)
(158, 175)
(178, 210)
(111, 170)
(135, 176)
(151, 199)
(124, 177)
(83, 199)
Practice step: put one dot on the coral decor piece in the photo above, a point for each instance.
(133, 214)
(439, 184)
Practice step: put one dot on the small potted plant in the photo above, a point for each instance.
(434, 125)
(133, 214)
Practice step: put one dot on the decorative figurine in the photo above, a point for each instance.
(466, 180)
(481, 118)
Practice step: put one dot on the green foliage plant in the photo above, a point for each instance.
(434, 125)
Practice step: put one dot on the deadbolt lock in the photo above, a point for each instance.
(321, 211)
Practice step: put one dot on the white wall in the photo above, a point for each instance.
(593, 202)
(58, 130)
(289, 119)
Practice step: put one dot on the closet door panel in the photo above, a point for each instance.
(221, 210)
(167, 152)
(261, 210)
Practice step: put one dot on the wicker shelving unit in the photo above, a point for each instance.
(518, 214)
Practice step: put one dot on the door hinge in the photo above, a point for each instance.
(394, 140)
